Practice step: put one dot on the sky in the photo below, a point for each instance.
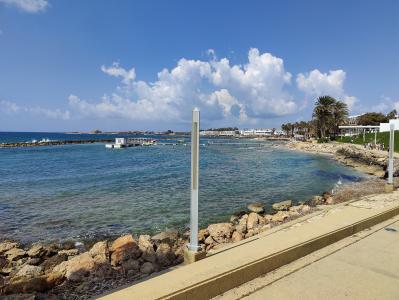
(72, 65)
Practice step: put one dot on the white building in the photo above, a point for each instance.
(384, 127)
(258, 132)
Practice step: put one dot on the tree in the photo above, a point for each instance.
(339, 115)
(372, 118)
(322, 113)
(392, 115)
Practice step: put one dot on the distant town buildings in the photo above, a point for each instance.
(244, 132)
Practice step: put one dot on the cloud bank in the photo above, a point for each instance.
(240, 93)
(316, 83)
(13, 108)
(31, 6)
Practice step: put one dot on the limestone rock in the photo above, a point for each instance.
(30, 271)
(236, 237)
(147, 248)
(316, 200)
(15, 254)
(77, 267)
(147, 268)
(209, 240)
(220, 231)
(169, 237)
(32, 285)
(256, 207)
(124, 248)
(280, 217)
(241, 228)
(36, 250)
(100, 252)
(53, 261)
(265, 227)
(165, 255)
(7, 245)
(130, 265)
(283, 205)
(202, 234)
(305, 209)
(268, 218)
(69, 252)
(252, 221)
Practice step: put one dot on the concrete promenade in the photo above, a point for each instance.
(241, 262)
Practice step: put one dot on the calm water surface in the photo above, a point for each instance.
(85, 191)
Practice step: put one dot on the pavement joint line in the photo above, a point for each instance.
(381, 226)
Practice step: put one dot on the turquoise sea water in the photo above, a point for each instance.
(86, 191)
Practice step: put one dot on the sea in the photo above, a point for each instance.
(84, 192)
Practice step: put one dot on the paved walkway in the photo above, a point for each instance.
(249, 259)
(364, 266)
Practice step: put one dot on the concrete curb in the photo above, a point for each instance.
(218, 285)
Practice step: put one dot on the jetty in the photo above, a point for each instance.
(130, 142)
(52, 143)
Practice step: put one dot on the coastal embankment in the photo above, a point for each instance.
(373, 162)
(53, 143)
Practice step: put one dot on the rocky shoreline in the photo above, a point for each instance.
(71, 271)
(372, 162)
(65, 271)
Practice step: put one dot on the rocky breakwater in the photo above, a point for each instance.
(52, 143)
(53, 271)
(371, 162)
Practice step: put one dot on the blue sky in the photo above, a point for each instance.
(125, 65)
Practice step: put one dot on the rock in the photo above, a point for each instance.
(70, 252)
(147, 248)
(294, 214)
(283, 205)
(256, 207)
(53, 261)
(202, 234)
(34, 261)
(15, 254)
(68, 245)
(220, 231)
(36, 251)
(280, 217)
(3, 262)
(329, 200)
(236, 237)
(130, 265)
(31, 285)
(316, 200)
(326, 195)
(30, 271)
(77, 267)
(169, 237)
(147, 268)
(165, 255)
(234, 219)
(7, 245)
(124, 248)
(265, 227)
(241, 228)
(209, 241)
(268, 218)
(252, 221)
(250, 233)
(100, 252)
(305, 209)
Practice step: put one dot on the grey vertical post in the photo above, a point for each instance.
(375, 136)
(391, 150)
(364, 135)
(193, 246)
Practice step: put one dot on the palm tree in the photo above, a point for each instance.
(322, 113)
(339, 115)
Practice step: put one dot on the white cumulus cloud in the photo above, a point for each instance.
(31, 6)
(13, 108)
(316, 83)
(223, 91)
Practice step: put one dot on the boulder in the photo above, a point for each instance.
(31, 285)
(77, 267)
(53, 261)
(209, 241)
(267, 218)
(147, 268)
(256, 207)
(250, 233)
(241, 228)
(147, 248)
(169, 237)
(316, 200)
(69, 252)
(165, 255)
(220, 231)
(29, 271)
(99, 252)
(305, 209)
(124, 248)
(283, 205)
(15, 253)
(234, 219)
(36, 250)
(7, 245)
(329, 200)
(280, 217)
(131, 264)
(265, 227)
(202, 235)
(252, 221)
(236, 237)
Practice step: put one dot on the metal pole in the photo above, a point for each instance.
(391, 149)
(193, 246)
(364, 135)
(375, 137)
